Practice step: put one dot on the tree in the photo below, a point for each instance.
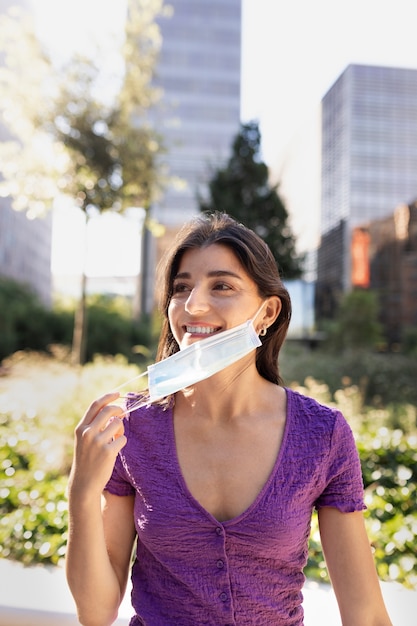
(242, 190)
(70, 138)
(356, 325)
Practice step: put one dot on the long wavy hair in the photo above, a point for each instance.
(257, 260)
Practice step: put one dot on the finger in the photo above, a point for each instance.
(114, 427)
(93, 426)
(98, 405)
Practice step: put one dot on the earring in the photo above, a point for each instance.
(263, 331)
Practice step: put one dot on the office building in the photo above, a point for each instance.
(369, 167)
(199, 71)
(390, 269)
(25, 245)
(25, 250)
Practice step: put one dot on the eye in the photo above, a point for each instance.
(180, 288)
(222, 287)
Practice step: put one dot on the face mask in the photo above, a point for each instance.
(197, 362)
(201, 360)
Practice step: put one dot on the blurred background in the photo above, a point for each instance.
(121, 120)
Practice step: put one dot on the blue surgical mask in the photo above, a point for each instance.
(200, 360)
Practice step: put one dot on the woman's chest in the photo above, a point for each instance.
(226, 467)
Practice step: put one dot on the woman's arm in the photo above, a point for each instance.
(351, 568)
(101, 527)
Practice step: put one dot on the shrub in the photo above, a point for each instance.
(24, 321)
(27, 325)
(44, 398)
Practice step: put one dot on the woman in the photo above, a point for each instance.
(218, 481)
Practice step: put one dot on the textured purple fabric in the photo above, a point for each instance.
(190, 569)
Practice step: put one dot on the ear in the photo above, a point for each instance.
(272, 310)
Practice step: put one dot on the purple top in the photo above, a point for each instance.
(191, 569)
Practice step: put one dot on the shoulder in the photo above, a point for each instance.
(141, 416)
(310, 410)
(319, 424)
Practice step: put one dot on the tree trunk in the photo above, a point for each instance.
(79, 340)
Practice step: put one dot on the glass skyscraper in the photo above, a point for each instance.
(25, 244)
(199, 71)
(369, 164)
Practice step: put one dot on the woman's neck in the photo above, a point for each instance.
(228, 395)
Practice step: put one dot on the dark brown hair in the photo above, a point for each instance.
(257, 260)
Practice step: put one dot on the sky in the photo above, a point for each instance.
(294, 50)
(292, 53)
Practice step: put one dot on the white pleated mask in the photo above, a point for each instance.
(198, 361)
(201, 359)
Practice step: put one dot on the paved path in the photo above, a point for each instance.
(38, 596)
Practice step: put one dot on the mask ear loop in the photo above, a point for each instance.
(131, 380)
(263, 330)
(139, 402)
(143, 402)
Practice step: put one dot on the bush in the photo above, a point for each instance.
(24, 321)
(41, 402)
(409, 341)
(356, 324)
(27, 325)
(389, 467)
(44, 398)
(382, 378)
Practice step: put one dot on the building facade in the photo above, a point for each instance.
(199, 72)
(391, 264)
(369, 166)
(25, 250)
(25, 244)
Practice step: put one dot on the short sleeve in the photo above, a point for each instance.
(119, 485)
(344, 483)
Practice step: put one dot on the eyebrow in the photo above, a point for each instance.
(212, 274)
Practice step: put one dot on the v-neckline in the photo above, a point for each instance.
(262, 491)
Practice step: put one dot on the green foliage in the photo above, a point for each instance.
(356, 325)
(33, 507)
(409, 341)
(27, 325)
(242, 189)
(389, 466)
(382, 378)
(42, 399)
(111, 330)
(69, 136)
(24, 321)
(94, 145)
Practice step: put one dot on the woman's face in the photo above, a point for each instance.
(211, 293)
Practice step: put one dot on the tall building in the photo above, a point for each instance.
(369, 167)
(25, 250)
(199, 71)
(25, 245)
(391, 268)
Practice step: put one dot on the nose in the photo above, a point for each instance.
(197, 301)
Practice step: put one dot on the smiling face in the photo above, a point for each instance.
(211, 293)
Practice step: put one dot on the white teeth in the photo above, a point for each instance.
(200, 330)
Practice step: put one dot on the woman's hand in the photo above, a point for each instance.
(98, 439)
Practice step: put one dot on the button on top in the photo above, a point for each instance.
(219, 530)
